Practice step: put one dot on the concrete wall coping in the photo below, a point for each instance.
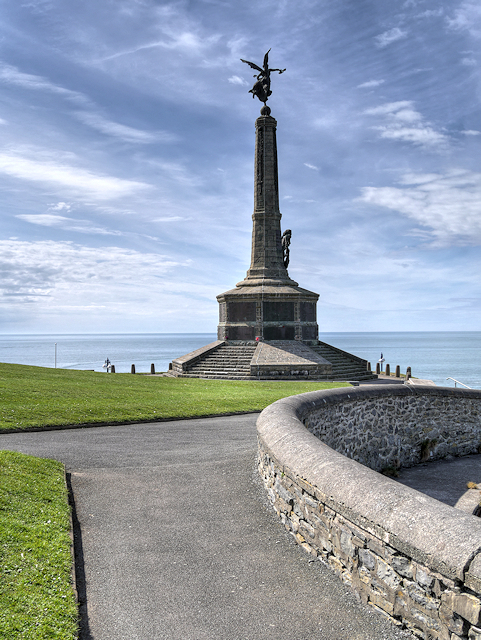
(438, 536)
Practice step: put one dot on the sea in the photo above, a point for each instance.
(451, 358)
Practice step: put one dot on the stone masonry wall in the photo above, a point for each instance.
(412, 558)
(399, 429)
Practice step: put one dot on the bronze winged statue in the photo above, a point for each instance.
(262, 88)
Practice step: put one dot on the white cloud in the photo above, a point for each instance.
(311, 166)
(67, 177)
(404, 123)
(469, 62)
(238, 80)
(126, 133)
(467, 18)
(471, 132)
(447, 205)
(370, 84)
(37, 269)
(388, 37)
(60, 206)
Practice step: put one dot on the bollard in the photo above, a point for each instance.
(152, 369)
(170, 366)
(408, 373)
(112, 369)
(368, 368)
(388, 369)
(398, 371)
(378, 368)
(132, 369)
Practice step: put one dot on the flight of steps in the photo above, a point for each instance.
(227, 361)
(344, 366)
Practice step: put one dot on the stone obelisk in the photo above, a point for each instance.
(267, 260)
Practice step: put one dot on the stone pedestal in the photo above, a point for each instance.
(267, 304)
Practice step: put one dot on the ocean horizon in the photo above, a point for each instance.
(432, 355)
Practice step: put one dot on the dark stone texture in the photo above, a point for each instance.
(241, 311)
(309, 333)
(307, 311)
(278, 311)
(279, 333)
(241, 333)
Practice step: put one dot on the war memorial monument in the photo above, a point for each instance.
(268, 323)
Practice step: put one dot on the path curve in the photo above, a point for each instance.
(179, 542)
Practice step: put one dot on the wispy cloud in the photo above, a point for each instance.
(170, 219)
(12, 75)
(122, 131)
(311, 166)
(181, 40)
(67, 177)
(431, 13)
(67, 224)
(404, 123)
(370, 84)
(447, 205)
(388, 37)
(466, 18)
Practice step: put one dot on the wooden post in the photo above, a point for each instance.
(112, 369)
(378, 368)
(132, 369)
(368, 367)
(388, 369)
(408, 373)
(398, 371)
(152, 369)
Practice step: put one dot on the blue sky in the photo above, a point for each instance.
(127, 147)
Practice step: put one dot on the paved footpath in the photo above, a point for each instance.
(178, 541)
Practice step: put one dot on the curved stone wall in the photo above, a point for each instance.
(413, 558)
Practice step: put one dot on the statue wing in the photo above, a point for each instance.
(266, 60)
(252, 65)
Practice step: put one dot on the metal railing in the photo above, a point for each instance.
(457, 382)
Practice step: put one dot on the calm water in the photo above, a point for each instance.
(432, 355)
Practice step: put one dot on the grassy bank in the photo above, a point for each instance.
(36, 596)
(41, 397)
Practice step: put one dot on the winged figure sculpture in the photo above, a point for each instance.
(262, 87)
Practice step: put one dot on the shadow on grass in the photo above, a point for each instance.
(81, 585)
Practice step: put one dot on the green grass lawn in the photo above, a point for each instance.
(41, 397)
(36, 595)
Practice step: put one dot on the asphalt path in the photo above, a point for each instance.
(175, 539)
